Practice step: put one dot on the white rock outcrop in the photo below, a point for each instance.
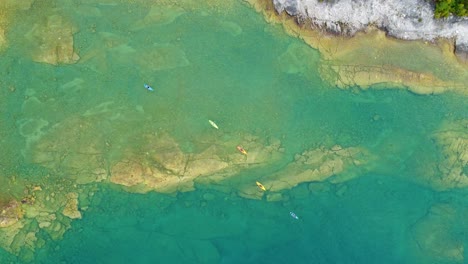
(405, 19)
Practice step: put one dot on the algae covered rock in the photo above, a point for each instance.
(10, 213)
(449, 168)
(71, 207)
(44, 212)
(454, 144)
(166, 168)
(73, 146)
(316, 165)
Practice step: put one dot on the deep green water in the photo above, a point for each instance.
(234, 68)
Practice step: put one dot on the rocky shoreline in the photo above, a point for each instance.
(408, 20)
(370, 58)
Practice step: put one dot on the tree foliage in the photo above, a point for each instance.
(444, 8)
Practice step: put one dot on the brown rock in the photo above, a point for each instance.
(71, 207)
(10, 213)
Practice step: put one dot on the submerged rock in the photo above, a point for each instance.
(166, 168)
(73, 146)
(53, 41)
(161, 57)
(71, 207)
(316, 165)
(48, 209)
(298, 59)
(159, 15)
(9, 7)
(8, 236)
(10, 213)
(439, 234)
(451, 168)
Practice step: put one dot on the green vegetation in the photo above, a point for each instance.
(455, 7)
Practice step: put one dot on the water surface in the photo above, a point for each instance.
(228, 65)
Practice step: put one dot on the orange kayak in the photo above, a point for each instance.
(242, 150)
(261, 186)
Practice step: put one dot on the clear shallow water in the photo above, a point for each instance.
(363, 225)
(250, 77)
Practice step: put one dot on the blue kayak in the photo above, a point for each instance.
(293, 215)
(149, 88)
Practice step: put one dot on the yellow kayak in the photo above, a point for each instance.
(261, 186)
(241, 150)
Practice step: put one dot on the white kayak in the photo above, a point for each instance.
(213, 124)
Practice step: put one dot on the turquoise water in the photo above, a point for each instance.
(228, 65)
(360, 226)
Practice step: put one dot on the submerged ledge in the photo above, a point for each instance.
(371, 58)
